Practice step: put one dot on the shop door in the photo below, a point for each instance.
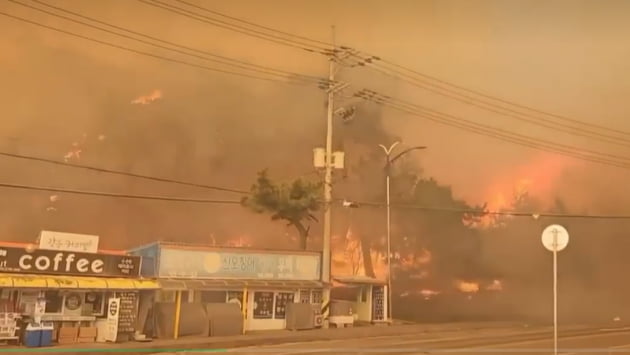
(378, 303)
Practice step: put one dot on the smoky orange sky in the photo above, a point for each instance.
(565, 57)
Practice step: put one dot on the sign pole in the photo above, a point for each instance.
(555, 238)
(555, 294)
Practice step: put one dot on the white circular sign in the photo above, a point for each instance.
(555, 234)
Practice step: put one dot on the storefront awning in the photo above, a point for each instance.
(75, 282)
(225, 284)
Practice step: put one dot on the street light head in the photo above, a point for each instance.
(388, 151)
(349, 204)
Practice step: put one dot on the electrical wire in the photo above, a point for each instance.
(121, 173)
(226, 25)
(287, 34)
(506, 138)
(179, 199)
(325, 51)
(489, 131)
(505, 111)
(205, 54)
(132, 50)
(116, 195)
(478, 212)
(507, 102)
(361, 203)
(413, 76)
(503, 131)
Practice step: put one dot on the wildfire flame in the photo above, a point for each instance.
(467, 287)
(239, 242)
(496, 285)
(147, 99)
(75, 153)
(428, 294)
(76, 149)
(347, 257)
(536, 178)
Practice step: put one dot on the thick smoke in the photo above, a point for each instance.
(207, 128)
(221, 130)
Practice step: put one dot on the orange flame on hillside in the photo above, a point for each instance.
(496, 285)
(147, 99)
(467, 287)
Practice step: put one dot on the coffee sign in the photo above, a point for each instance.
(69, 263)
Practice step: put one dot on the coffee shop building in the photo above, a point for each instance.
(70, 291)
(260, 282)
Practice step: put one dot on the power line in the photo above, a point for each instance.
(226, 25)
(501, 110)
(489, 131)
(478, 212)
(498, 99)
(132, 50)
(205, 54)
(372, 204)
(116, 195)
(425, 109)
(116, 172)
(411, 76)
(325, 44)
(506, 138)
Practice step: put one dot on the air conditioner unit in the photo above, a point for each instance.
(319, 319)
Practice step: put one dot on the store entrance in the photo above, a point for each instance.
(378, 303)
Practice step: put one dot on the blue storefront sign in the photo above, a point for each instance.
(186, 263)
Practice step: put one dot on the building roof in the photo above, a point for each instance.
(358, 280)
(214, 284)
(193, 246)
(8, 244)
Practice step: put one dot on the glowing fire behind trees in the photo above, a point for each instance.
(426, 259)
(536, 179)
(437, 252)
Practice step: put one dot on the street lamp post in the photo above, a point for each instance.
(388, 164)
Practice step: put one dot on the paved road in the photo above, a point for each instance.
(485, 341)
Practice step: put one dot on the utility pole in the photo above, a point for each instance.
(326, 252)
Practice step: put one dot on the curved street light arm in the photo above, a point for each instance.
(405, 152)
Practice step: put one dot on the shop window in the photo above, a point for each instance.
(263, 305)
(213, 296)
(282, 299)
(317, 297)
(95, 303)
(54, 301)
(185, 296)
(165, 296)
(235, 297)
(305, 296)
(27, 301)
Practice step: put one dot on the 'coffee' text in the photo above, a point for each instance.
(59, 263)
